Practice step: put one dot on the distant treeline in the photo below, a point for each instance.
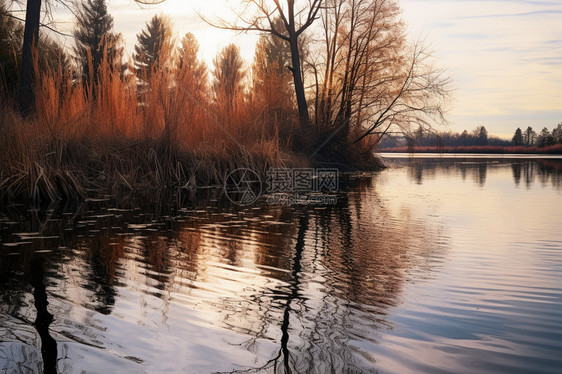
(477, 141)
(494, 149)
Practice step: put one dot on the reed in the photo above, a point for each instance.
(108, 136)
(99, 138)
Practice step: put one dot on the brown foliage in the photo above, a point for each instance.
(368, 77)
(79, 143)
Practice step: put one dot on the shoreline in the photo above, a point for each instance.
(513, 156)
(43, 170)
(484, 149)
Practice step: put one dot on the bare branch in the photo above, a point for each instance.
(7, 14)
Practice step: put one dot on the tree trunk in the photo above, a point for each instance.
(297, 78)
(25, 94)
(44, 319)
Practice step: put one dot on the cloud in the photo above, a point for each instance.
(502, 57)
(506, 15)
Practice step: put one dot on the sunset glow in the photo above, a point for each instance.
(504, 57)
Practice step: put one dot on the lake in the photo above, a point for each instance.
(432, 265)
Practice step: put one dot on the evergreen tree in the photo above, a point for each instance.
(557, 134)
(269, 68)
(95, 39)
(11, 33)
(191, 81)
(154, 47)
(271, 94)
(517, 137)
(529, 136)
(187, 55)
(481, 135)
(191, 73)
(545, 138)
(228, 75)
(277, 51)
(463, 138)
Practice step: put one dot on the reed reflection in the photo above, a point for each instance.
(314, 280)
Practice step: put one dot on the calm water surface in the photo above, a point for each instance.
(429, 266)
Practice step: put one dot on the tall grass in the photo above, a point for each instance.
(105, 137)
(112, 135)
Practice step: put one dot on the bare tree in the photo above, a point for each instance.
(368, 76)
(259, 15)
(416, 96)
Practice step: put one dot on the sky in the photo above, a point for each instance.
(504, 56)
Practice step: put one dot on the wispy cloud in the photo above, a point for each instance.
(504, 56)
(508, 15)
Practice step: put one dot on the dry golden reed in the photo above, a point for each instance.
(107, 137)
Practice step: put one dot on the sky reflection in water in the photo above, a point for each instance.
(432, 265)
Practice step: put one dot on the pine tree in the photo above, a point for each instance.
(228, 75)
(557, 133)
(271, 83)
(95, 39)
(11, 34)
(191, 84)
(271, 57)
(517, 137)
(154, 47)
(278, 51)
(481, 135)
(530, 136)
(187, 55)
(545, 138)
(190, 72)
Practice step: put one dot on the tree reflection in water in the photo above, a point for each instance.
(543, 170)
(349, 264)
(308, 287)
(44, 318)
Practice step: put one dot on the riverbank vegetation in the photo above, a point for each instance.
(99, 122)
(477, 141)
(492, 149)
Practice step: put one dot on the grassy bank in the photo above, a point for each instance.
(39, 168)
(44, 169)
(553, 149)
(115, 140)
